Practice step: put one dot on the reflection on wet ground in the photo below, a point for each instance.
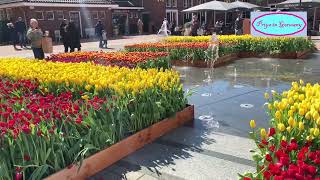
(234, 94)
(225, 100)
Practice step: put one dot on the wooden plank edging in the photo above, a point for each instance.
(116, 152)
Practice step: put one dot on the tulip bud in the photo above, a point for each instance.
(301, 126)
(266, 96)
(281, 127)
(291, 121)
(252, 124)
(263, 133)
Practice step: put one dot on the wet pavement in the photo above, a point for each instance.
(218, 145)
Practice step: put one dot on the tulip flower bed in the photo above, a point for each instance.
(182, 50)
(291, 148)
(120, 59)
(248, 43)
(55, 114)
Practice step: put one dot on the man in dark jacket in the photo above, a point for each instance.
(98, 30)
(21, 29)
(63, 34)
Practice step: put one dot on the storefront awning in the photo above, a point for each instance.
(296, 3)
(212, 6)
(245, 5)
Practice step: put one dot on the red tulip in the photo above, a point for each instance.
(26, 157)
(267, 175)
(312, 170)
(284, 144)
(268, 157)
(272, 131)
(19, 176)
(271, 148)
(26, 129)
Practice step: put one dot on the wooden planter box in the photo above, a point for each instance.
(116, 152)
(203, 64)
(285, 55)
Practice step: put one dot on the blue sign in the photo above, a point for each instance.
(272, 24)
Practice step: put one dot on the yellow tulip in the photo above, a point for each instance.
(278, 115)
(281, 127)
(289, 129)
(88, 87)
(308, 116)
(263, 133)
(301, 82)
(301, 97)
(85, 97)
(252, 124)
(266, 96)
(316, 132)
(291, 121)
(315, 115)
(302, 112)
(318, 121)
(301, 126)
(269, 106)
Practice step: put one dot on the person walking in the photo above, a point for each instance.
(21, 29)
(13, 35)
(140, 26)
(98, 30)
(73, 35)
(35, 35)
(105, 39)
(63, 34)
(194, 26)
(238, 25)
(172, 27)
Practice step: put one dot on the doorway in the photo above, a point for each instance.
(75, 16)
(145, 20)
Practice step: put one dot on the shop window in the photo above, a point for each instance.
(9, 13)
(102, 15)
(2, 15)
(95, 15)
(50, 15)
(39, 15)
(174, 3)
(168, 3)
(60, 15)
(185, 3)
(186, 17)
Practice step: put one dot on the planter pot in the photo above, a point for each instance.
(247, 54)
(303, 54)
(203, 64)
(114, 153)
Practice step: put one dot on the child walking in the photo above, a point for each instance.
(104, 38)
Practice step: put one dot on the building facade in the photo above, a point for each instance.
(119, 17)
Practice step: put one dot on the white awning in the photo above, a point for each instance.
(245, 5)
(213, 6)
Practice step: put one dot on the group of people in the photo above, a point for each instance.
(19, 35)
(70, 36)
(101, 33)
(18, 32)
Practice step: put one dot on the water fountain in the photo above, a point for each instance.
(212, 55)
